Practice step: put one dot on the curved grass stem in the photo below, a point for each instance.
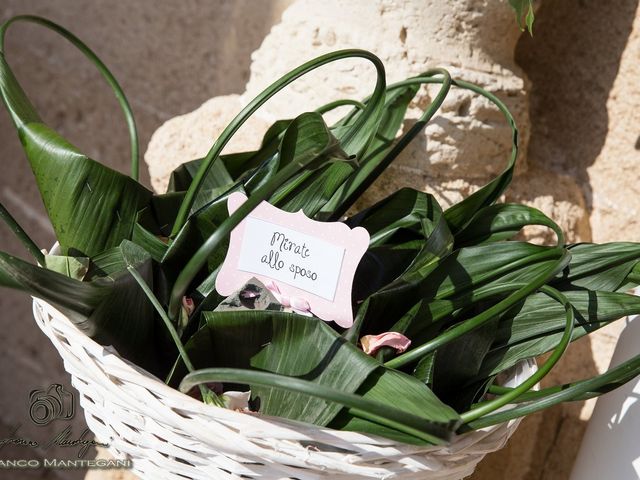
(589, 388)
(207, 395)
(352, 142)
(490, 406)
(102, 68)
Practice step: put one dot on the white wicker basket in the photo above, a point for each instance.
(169, 435)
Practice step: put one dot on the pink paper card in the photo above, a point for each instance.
(305, 259)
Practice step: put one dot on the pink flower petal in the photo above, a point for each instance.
(188, 305)
(372, 343)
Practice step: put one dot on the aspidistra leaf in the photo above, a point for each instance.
(91, 207)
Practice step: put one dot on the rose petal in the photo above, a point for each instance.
(372, 343)
(188, 305)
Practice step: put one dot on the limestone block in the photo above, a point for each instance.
(557, 196)
(475, 40)
(190, 136)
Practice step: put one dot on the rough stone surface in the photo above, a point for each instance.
(585, 103)
(474, 39)
(614, 174)
(191, 136)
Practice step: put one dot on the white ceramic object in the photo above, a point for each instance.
(611, 444)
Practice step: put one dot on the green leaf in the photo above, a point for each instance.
(22, 110)
(72, 267)
(312, 189)
(424, 369)
(457, 364)
(461, 214)
(395, 108)
(632, 280)
(502, 222)
(126, 319)
(21, 235)
(246, 168)
(354, 141)
(599, 267)
(412, 425)
(150, 242)
(286, 344)
(411, 222)
(589, 388)
(523, 19)
(462, 277)
(309, 142)
(308, 349)
(91, 207)
(535, 327)
(402, 392)
(306, 145)
(110, 308)
(199, 227)
(380, 266)
(407, 214)
(183, 175)
(78, 299)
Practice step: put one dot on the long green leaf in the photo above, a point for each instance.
(21, 235)
(421, 429)
(522, 290)
(91, 207)
(376, 155)
(523, 19)
(489, 406)
(535, 326)
(286, 344)
(306, 144)
(110, 308)
(502, 222)
(459, 215)
(599, 267)
(354, 141)
(22, 110)
(603, 383)
(78, 299)
(401, 392)
(457, 276)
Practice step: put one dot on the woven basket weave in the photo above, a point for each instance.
(169, 435)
